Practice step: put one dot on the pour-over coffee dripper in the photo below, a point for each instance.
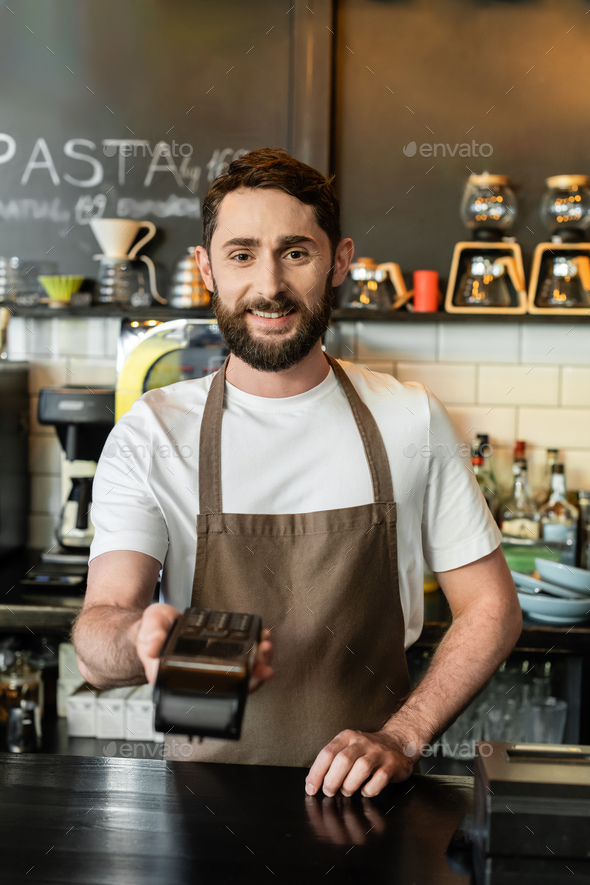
(60, 288)
(119, 263)
(115, 236)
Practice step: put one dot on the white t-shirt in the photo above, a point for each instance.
(296, 454)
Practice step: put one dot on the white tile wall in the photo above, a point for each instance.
(556, 428)
(340, 340)
(577, 468)
(511, 380)
(386, 367)
(95, 373)
(44, 453)
(45, 494)
(530, 385)
(450, 383)
(479, 342)
(405, 341)
(576, 386)
(554, 343)
(497, 421)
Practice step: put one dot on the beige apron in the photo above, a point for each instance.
(326, 585)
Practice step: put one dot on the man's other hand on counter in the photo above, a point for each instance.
(353, 756)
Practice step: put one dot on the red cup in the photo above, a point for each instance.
(426, 294)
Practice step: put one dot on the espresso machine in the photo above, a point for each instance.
(83, 419)
(487, 274)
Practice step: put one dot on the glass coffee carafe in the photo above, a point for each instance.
(372, 285)
(19, 681)
(565, 207)
(123, 281)
(485, 282)
(19, 283)
(488, 207)
(567, 283)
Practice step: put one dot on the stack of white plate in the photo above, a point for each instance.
(562, 597)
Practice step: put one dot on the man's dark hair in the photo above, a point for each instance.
(274, 167)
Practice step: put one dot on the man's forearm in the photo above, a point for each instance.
(476, 643)
(104, 637)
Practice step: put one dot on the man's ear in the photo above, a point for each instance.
(342, 258)
(204, 265)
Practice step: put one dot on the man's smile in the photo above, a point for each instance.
(271, 316)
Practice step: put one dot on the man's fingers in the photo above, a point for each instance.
(360, 771)
(265, 653)
(154, 626)
(377, 783)
(357, 761)
(151, 670)
(323, 761)
(260, 674)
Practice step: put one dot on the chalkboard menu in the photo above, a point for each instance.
(129, 109)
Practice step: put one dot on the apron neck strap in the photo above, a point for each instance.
(210, 446)
(373, 444)
(210, 500)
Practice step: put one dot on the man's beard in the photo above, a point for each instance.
(267, 351)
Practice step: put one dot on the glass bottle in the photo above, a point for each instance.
(559, 518)
(544, 494)
(486, 451)
(483, 474)
(519, 516)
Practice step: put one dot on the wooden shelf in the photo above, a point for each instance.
(163, 313)
(157, 312)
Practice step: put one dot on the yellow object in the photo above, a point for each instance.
(136, 367)
(60, 288)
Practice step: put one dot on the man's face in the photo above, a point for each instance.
(271, 272)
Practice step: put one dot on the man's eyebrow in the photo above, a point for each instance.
(247, 242)
(292, 239)
(253, 242)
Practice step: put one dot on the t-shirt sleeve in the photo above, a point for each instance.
(125, 513)
(457, 525)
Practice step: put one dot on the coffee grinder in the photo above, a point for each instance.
(560, 275)
(83, 418)
(487, 274)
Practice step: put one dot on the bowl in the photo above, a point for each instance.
(527, 582)
(565, 575)
(550, 610)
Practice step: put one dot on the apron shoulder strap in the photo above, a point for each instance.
(373, 444)
(210, 446)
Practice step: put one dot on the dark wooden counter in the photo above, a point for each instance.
(80, 820)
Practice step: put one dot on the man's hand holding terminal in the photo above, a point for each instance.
(153, 628)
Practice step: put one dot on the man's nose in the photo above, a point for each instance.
(269, 277)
